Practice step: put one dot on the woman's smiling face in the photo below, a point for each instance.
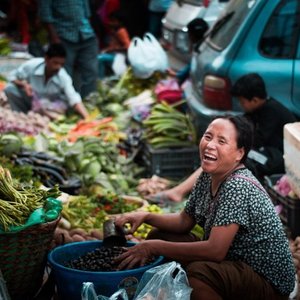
(218, 148)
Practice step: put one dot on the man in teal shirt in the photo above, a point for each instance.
(68, 22)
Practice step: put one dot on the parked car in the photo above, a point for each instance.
(175, 31)
(251, 36)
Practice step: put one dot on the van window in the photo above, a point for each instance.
(278, 39)
(224, 30)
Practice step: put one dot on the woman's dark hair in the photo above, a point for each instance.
(249, 86)
(244, 131)
(56, 50)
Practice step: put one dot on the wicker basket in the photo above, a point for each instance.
(23, 257)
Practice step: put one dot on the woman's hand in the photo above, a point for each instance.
(134, 219)
(135, 256)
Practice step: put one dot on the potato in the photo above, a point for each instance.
(68, 239)
(77, 238)
(91, 238)
(61, 236)
(97, 234)
(78, 231)
(64, 223)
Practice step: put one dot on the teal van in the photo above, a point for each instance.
(260, 36)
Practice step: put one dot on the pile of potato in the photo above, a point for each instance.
(64, 234)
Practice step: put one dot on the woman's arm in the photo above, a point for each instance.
(214, 249)
(175, 222)
(178, 192)
(186, 186)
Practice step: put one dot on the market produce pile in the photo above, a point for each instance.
(31, 123)
(93, 161)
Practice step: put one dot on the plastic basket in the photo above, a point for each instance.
(23, 258)
(174, 163)
(69, 281)
(290, 207)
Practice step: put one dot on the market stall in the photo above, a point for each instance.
(97, 165)
(134, 144)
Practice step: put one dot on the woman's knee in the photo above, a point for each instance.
(202, 290)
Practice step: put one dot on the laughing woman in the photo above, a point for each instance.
(245, 252)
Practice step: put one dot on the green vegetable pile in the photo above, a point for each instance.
(83, 213)
(98, 162)
(90, 212)
(168, 127)
(134, 85)
(18, 202)
(21, 173)
(114, 204)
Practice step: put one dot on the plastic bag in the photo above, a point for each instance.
(49, 212)
(88, 293)
(164, 282)
(146, 56)
(119, 65)
(159, 54)
(141, 60)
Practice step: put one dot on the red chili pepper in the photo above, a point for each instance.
(107, 207)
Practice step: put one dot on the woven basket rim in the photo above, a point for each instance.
(34, 228)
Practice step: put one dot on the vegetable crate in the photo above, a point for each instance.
(175, 163)
(290, 207)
